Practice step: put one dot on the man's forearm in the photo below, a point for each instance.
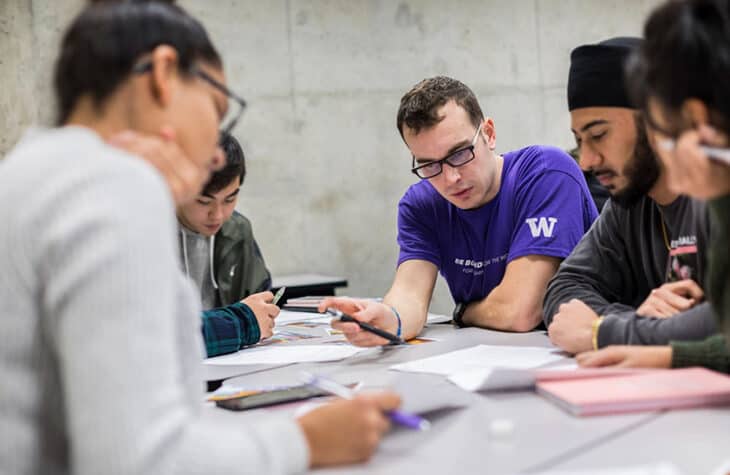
(495, 314)
(412, 314)
(627, 328)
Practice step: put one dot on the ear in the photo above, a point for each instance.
(490, 133)
(164, 74)
(695, 112)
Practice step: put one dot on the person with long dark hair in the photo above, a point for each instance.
(100, 351)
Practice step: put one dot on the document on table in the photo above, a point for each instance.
(501, 379)
(484, 358)
(287, 316)
(287, 354)
(437, 318)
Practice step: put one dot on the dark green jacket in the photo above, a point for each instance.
(713, 352)
(237, 261)
(239, 272)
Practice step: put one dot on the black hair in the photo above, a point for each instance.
(686, 54)
(419, 107)
(105, 40)
(235, 166)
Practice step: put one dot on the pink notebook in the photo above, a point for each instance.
(642, 391)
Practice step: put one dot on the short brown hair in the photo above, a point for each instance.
(419, 107)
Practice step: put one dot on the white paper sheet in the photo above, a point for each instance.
(287, 354)
(494, 379)
(482, 357)
(500, 379)
(287, 316)
(437, 318)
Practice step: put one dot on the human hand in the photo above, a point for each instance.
(185, 178)
(264, 311)
(572, 327)
(671, 298)
(375, 313)
(690, 171)
(347, 430)
(628, 357)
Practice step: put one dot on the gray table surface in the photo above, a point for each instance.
(696, 441)
(543, 436)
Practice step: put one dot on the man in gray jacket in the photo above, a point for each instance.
(636, 276)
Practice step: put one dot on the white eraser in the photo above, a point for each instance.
(501, 428)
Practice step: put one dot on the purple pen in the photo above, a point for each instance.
(406, 419)
(402, 418)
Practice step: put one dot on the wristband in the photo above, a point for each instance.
(458, 315)
(594, 331)
(397, 316)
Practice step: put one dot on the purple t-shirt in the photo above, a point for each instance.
(543, 207)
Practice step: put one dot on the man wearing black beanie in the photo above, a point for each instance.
(636, 276)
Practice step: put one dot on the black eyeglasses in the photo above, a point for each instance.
(456, 159)
(146, 67)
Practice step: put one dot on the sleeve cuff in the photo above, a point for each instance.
(710, 353)
(613, 329)
(251, 332)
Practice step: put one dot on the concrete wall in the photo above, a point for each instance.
(323, 79)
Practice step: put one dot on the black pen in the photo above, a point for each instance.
(365, 326)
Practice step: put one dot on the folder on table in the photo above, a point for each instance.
(642, 391)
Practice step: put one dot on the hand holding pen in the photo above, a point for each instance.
(343, 317)
(402, 418)
(359, 317)
(263, 306)
(347, 430)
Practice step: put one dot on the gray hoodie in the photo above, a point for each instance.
(196, 252)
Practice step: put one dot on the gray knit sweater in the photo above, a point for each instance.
(99, 330)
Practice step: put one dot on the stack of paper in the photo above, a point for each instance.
(482, 358)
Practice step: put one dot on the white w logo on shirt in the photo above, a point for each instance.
(542, 226)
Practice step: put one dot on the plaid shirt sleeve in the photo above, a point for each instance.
(228, 329)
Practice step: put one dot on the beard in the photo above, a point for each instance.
(641, 172)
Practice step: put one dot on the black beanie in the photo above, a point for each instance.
(596, 76)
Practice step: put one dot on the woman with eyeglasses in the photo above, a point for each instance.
(680, 80)
(100, 351)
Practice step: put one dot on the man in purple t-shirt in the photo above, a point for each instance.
(495, 226)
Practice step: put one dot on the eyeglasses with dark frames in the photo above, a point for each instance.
(146, 67)
(456, 159)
